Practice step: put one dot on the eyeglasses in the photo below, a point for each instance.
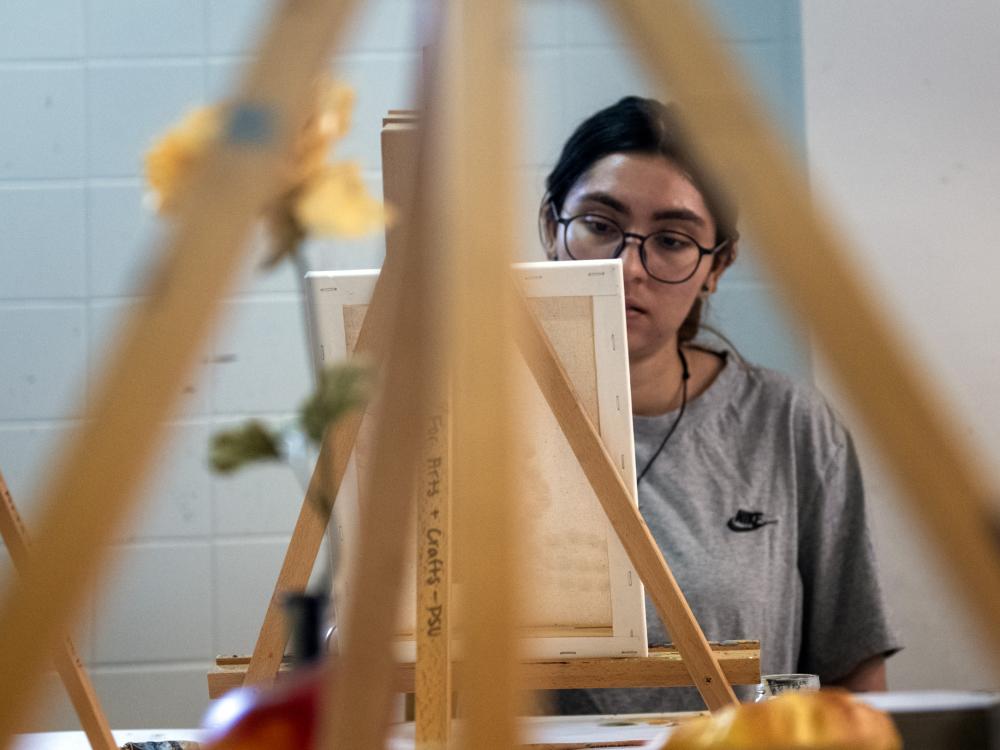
(668, 256)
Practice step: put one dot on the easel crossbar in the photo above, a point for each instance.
(664, 667)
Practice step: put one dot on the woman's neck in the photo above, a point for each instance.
(656, 381)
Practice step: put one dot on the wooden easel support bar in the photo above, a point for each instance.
(67, 662)
(664, 667)
(804, 255)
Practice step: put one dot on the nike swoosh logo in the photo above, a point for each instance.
(735, 525)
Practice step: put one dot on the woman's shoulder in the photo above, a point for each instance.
(764, 396)
(778, 386)
(810, 415)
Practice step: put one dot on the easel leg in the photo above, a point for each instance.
(67, 662)
(433, 665)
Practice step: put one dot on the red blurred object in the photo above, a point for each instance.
(282, 718)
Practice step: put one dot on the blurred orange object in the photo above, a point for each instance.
(826, 720)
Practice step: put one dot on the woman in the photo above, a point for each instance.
(747, 480)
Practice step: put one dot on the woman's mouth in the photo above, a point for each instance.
(633, 310)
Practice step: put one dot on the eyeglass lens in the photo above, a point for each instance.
(668, 256)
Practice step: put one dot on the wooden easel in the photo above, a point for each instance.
(92, 487)
(67, 662)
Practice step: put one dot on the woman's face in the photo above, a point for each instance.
(643, 194)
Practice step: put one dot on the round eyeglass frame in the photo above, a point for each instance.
(702, 251)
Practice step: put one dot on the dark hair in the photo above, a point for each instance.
(644, 126)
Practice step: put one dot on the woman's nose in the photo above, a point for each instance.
(632, 259)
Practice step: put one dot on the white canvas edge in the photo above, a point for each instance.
(330, 291)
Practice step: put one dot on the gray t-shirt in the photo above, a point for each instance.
(758, 506)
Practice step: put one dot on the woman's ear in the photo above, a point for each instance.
(548, 228)
(723, 260)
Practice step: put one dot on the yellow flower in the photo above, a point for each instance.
(169, 163)
(328, 122)
(314, 196)
(336, 202)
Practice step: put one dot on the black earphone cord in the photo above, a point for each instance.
(685, 376)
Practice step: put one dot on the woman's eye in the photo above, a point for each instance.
(670, 241)
(598, 227)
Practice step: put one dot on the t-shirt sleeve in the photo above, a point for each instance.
(844, 619)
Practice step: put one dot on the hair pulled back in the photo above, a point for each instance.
(642, 126)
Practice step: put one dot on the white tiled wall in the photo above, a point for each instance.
(85, 86)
